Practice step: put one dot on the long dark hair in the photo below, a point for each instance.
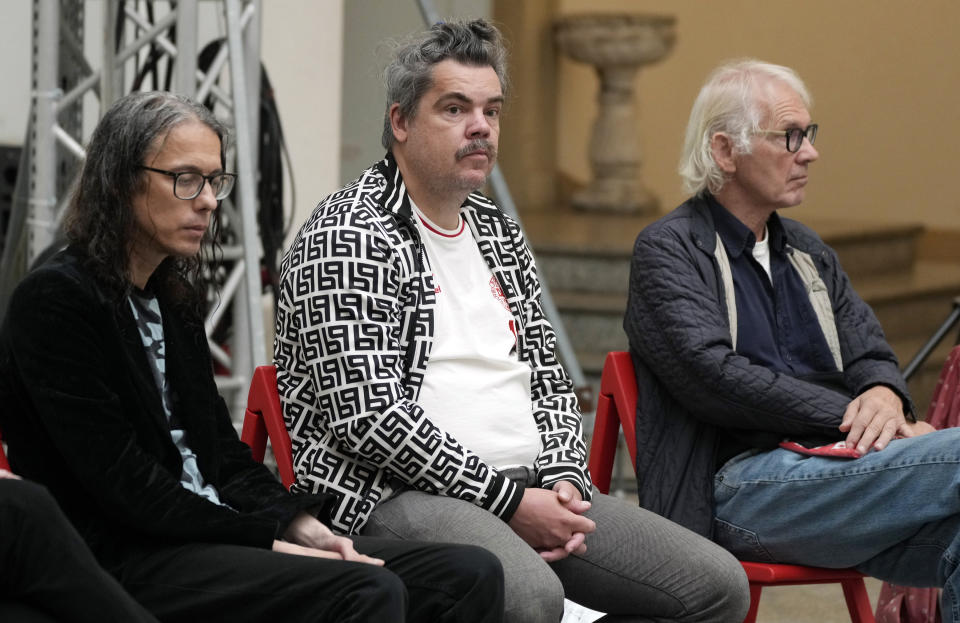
(99, 221)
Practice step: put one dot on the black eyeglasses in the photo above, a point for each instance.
(795, 136)
(189, 184)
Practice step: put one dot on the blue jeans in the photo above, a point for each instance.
(893, 514)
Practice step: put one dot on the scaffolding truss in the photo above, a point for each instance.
(136, 33)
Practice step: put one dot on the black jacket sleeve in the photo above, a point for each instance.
(248, 486)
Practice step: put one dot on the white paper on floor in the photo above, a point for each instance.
(575, 613)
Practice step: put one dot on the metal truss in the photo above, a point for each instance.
(62, 77)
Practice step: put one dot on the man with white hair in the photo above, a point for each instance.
(772, 413)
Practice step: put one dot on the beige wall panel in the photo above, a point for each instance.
(885, 76)
(527, 134)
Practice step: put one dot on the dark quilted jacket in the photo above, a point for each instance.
(692, 383)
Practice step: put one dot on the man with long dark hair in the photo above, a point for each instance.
(109, 400)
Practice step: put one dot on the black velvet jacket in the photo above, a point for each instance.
(82, 414)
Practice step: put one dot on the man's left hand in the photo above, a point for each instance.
(915, 429)
(873, 418)
(570, 497)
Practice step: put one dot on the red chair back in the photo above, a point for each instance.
(263, 420)
(616, 409)
(4, 464)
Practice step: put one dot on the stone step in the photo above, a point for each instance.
(912, 303)
(594, 321)
(592, 363)
(924, 380)
(909, 304)
(870, 249)
(589, 253)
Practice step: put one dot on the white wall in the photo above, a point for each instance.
(302, 49)
(15, 16)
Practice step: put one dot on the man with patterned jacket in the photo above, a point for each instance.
(418, 376)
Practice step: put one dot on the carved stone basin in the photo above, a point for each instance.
(616, 39)
(617, 45)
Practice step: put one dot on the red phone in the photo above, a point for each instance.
(838, 450)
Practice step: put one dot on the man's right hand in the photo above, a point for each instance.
(306, 536)
(873, 419)
(548, 526)
(285, 547)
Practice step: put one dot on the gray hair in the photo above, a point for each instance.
(733, 100)
(99, 220)
(410, 74)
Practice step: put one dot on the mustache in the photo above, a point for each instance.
(478, 144)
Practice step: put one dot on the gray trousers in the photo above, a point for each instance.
(638, 566)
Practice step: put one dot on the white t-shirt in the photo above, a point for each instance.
(475, 388)
(761, 253)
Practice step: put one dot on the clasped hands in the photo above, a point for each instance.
(875, 417)
(552, 521)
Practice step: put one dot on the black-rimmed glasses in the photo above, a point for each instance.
(189, 184)
(795, 136)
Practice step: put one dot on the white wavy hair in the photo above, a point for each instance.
(734, 101)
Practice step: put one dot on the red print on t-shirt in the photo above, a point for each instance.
(497, 292)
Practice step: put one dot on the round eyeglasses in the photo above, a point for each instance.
(795, 136)
(189, 184)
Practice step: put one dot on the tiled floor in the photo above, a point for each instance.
(813, 603)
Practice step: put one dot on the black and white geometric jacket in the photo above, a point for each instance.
(354, 332)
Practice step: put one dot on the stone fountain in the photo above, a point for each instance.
(617, 45)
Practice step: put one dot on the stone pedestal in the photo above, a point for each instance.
(617, 45)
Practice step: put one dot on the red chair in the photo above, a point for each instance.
(4, 464)
(616, 408)
(264, 420)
